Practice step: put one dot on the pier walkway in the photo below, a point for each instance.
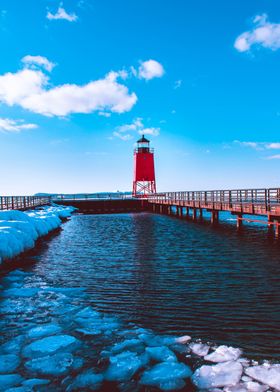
(22, 203)
(239, 202)
(252, 205)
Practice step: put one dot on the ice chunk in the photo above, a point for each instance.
(9, 380)
(256, 387)
(54, 365)
(250, 386)
(183, 339)
(15, 306)
(127, 344)
(161, 354)
(43, 330)
(199, 349)
(87, 312)
(33, 382)
(13, 346)
(266, 373)
(87, 380)
(123, 366)
(220, 375)
(172, 385)
(166, 373)
(22, 292)
(88, 332)
(51, 345)
(9, 363)
(19, 389)
(156, 341)
(224, 354)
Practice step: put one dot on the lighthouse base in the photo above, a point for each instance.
(143, 188)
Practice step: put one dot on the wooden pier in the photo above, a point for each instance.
(251, 205)
(239, 202)
(22, 203)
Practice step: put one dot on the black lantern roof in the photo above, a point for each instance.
(143, 140)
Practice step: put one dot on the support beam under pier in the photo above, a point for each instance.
(214, 217)
(194, 214)
(239, 222)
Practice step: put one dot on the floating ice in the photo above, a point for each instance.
(246, 387)
(15, 306)
(33, 382)
(89, 332)
(224, 354)
(12, 346)
(19, 389)
(183, 339)
(87, 313)
(166, 375)
(88, 379)
(50, 345)
(43, 330)
(127, 344)
(220, 375)
(19, 230)
(161, 354)
(9, 363)
(199, 349)
(54, 365)
(9, 380)
(22, 292)
(266, 373)
(123, 366)
(156, 341)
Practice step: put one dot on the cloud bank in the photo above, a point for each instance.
(9, 125)
(123, 132)
(61, 14)
(30, 88)
(264, 34)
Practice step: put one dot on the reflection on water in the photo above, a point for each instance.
(173, 276)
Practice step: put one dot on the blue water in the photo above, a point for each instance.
(172, 276)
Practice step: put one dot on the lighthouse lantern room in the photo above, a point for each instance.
(144, 182)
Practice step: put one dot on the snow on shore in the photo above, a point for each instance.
(20, 230)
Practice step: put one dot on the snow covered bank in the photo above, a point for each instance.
(20, 230)
(54, 340)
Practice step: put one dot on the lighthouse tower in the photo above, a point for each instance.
(144, 182)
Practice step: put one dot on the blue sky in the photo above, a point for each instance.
(79, 81)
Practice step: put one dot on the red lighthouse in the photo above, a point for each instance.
(144, 182)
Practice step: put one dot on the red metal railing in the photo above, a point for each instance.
(23, 202)
(92, 196)
(246, 201)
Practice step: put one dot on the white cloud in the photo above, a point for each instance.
(104, 114)
(38, 60)
(122, 136)
(263, 34)
(177, 84)
(62, 14)
(260, 145)
(136, 126)
(150, 69)
(273, 146)
(274, 157)
(150, 131)
(30, 89)
(16, 87)
(9, 125)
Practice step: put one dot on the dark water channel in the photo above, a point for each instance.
(173, 276)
